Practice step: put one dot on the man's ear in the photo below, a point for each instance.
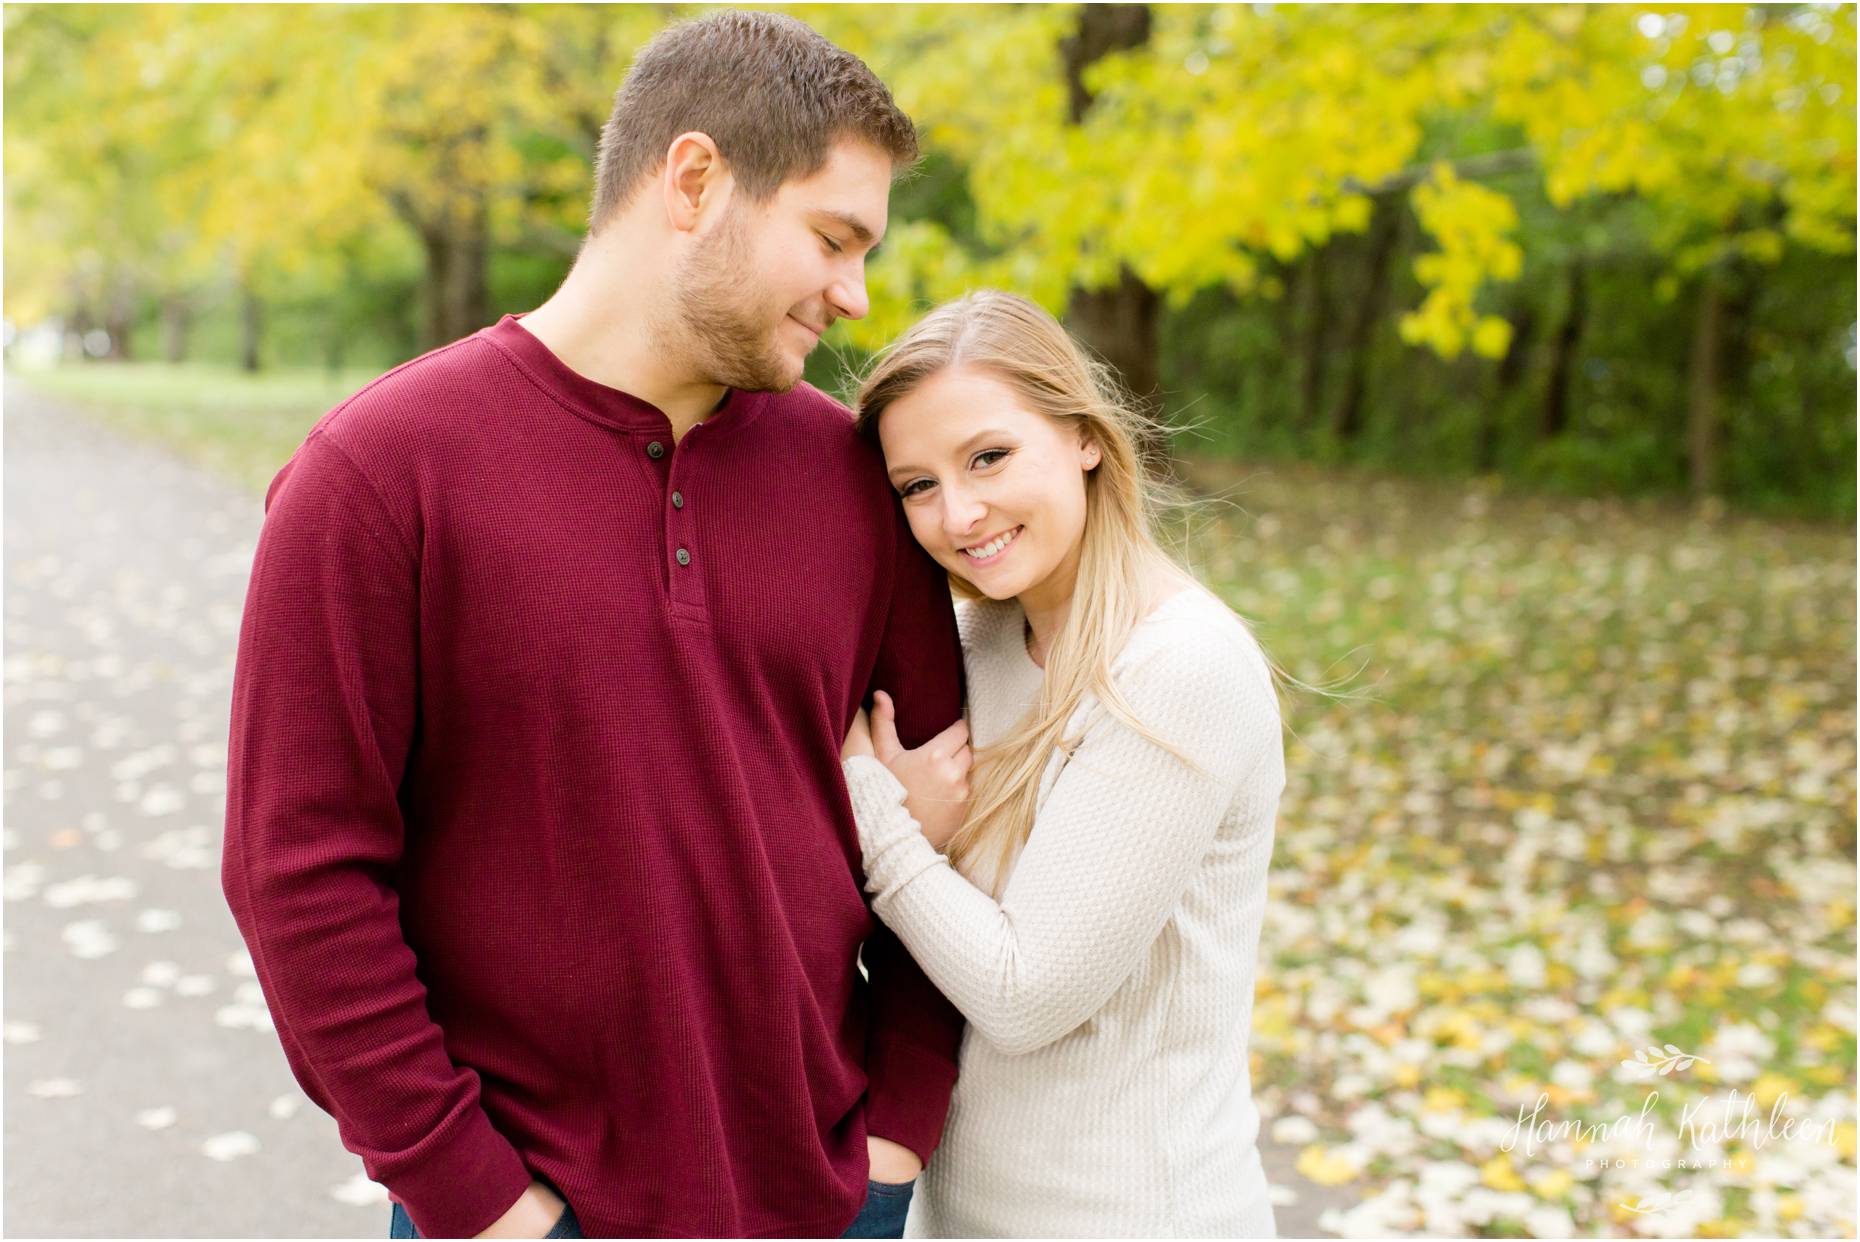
(696, 180)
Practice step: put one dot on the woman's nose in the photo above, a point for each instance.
(962, 514)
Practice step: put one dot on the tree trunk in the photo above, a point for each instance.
(1510, 374)
(118, 328)
(119, 321)
(76, 329)
(1721, 351)
(1555, 417)
(469, 298)
(251, 327)
(1314, 317)
(1103, 29)
(436, 280)
(1702, 404)
(177, 319)
(457, 294)
(1346, 419)
(1118, 322)
(1735, 330)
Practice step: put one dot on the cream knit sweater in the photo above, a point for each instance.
(1104, 1089)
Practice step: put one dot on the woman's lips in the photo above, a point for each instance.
(1013, 538)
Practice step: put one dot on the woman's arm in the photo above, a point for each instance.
(1112, 850)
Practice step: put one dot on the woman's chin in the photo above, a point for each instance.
(989, 585)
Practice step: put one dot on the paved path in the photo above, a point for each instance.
(146, 1093)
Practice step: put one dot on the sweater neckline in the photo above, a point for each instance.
(599, 403)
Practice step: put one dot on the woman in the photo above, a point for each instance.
(1092, 900)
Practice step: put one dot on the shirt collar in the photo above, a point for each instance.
(599, 403)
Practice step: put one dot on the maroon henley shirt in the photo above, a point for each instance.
(535, 822)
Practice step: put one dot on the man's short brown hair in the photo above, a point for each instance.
(771, 93)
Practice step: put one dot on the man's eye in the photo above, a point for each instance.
(832, 245)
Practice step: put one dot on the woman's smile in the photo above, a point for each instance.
(994, 549)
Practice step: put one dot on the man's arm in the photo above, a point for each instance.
(914, 1035)
(324, 708)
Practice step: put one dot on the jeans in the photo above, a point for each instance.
(881, 1217)
(401, 1225)
(885, 1207)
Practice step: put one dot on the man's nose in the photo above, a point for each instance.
(847, 296)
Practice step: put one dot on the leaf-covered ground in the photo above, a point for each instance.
(1595, 795)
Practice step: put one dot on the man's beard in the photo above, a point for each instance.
(716, 324)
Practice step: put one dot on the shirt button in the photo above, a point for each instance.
(655, 450)
(684, 557)
(678, 500)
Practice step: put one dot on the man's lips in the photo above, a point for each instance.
(818, 332)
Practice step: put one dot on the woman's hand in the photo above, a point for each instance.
(935, 776)
(858, 738)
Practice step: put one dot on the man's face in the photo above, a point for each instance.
(768, 279)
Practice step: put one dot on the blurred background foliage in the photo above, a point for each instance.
(1595, 249)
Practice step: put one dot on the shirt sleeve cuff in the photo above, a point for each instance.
(895, 848)
(462, 1185)
(907, 1100)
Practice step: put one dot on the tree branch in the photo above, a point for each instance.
(1473, 167)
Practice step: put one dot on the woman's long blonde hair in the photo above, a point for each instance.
(1020, 344)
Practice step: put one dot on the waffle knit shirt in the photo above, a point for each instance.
(1105, 1088)
(536, 826)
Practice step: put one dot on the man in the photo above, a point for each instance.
(535, 822)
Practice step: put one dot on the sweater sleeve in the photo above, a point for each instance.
(324, 713)
(915, 1033)
(1112, 850)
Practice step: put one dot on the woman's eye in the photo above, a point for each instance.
(986, 456)
(832, 245)
(910, 489)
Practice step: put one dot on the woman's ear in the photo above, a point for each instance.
(1088, 454)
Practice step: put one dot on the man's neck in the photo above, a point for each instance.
(611, 345)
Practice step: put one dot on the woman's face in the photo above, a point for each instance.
(994, 491)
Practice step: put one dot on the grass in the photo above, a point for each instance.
(1593, 788)
(239, 425)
